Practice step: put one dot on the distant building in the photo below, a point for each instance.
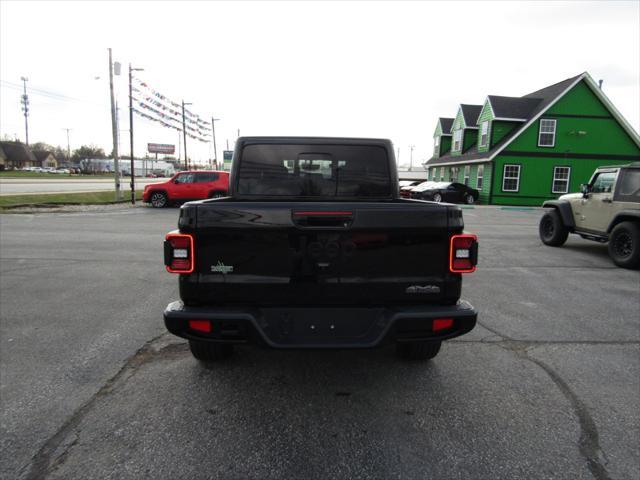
(525, 150)
(45, 159)
(18, 155)
(143, 167)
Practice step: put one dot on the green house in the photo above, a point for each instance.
(525, 150)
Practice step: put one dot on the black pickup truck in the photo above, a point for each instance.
(314, 248)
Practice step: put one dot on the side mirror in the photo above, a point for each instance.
(585, 189)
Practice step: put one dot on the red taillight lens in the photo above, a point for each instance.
(179, 253)
(440, 324)
(463, 254)
(203, 326)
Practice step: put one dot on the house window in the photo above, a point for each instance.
(457, 140)
(453, 174)
(467, 171)
(436, 142)
(442, 174)
(511, 178)
(484, 133)
(547, 135)
(561, 179)
(480, 177)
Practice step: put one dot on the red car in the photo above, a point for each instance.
(185, 186)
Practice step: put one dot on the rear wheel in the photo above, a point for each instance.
(437, 198)
(418, 350)
(159, 199)
(210, 352)
(469, 200)
(624, 245)
(551, 229)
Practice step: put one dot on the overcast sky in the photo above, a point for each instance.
(372, 69)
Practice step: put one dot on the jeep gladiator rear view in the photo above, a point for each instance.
(314, 248)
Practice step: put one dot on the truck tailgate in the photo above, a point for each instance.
(306, 253)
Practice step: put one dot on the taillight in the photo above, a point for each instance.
(179, 254)
(463, 253)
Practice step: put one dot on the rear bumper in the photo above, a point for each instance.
(320, 327)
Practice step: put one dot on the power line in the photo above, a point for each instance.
(16, 86)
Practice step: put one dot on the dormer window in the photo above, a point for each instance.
(484, 133)
(436, 143)
(457, 140)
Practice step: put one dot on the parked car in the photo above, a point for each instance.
(185, 186)
(313, 249)
(451, 192)
(406, 186)
(607, 210)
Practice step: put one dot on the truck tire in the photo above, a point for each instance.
(210, 352)
(418, 350)
(551, 229)
(624, 245)
(159, 200)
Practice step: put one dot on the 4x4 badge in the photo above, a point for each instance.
(423, 289)
(221, 268)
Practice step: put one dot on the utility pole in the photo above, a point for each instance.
(133, 170)
(114, 128)
(238, 133)
(398, 156)
(215, 149)
(25, 109)
(227, 144)
(411, 157)
(184, 135)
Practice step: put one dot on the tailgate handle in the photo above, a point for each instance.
(323, 218)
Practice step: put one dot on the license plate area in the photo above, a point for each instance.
(323, 326)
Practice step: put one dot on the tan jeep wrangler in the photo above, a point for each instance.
(607, 210)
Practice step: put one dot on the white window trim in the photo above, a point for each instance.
(517, 179)
(553, 181)
(436, 141)
(467, 174)
(480, 177)
(442, 174)
(540, 132)
(455, 133)
(484, 133)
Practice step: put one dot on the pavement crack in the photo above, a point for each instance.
(589, 442)
(55, 450)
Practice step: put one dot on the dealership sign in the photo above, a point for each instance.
(161, 148)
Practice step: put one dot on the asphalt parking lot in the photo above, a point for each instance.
(546, 386)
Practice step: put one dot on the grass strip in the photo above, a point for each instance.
(62, 198)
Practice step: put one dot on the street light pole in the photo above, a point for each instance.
(114, 130)
(215, 149)
(133, 170)
(25, 109)
(68, 146)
